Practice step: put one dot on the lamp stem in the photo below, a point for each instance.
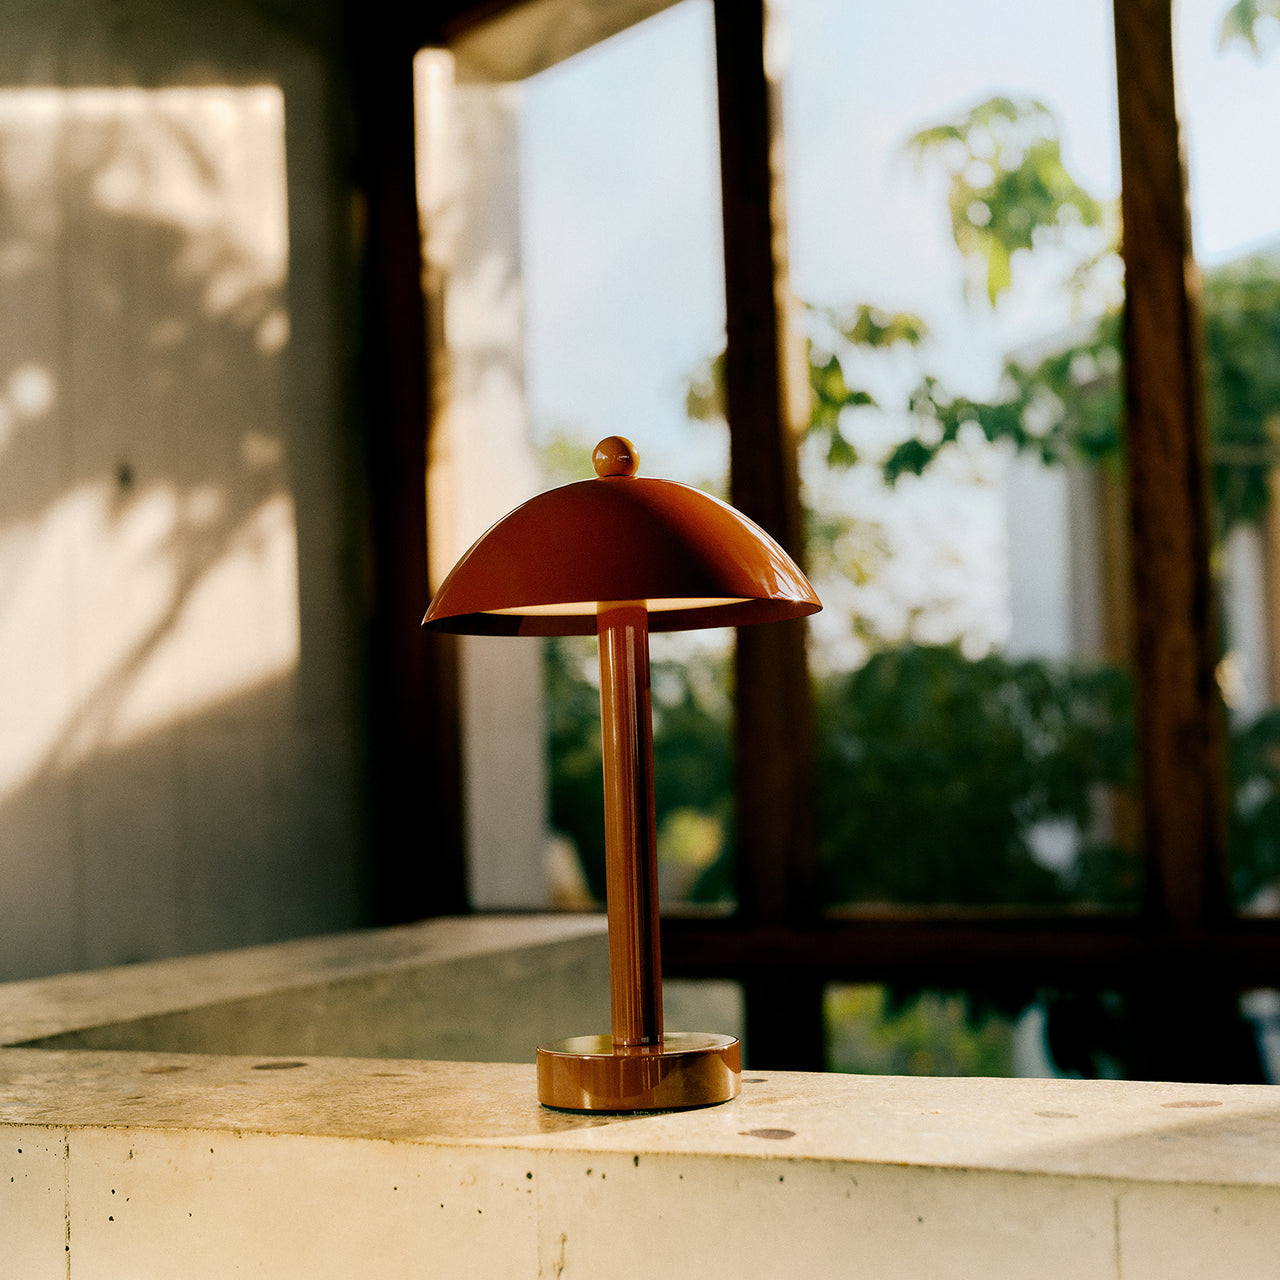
(631, 844)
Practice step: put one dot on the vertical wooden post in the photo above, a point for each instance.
(418, 861)
(773, 734)
(1180, 716)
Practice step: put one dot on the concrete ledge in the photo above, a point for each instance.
(307, 1138)
(346, 1167)
(480, 987)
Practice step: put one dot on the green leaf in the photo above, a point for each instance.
(1240, 25)
(840, 453)
(999, 270)
(1009, 185)
(828, 382)
(872, 327)
(911, 456)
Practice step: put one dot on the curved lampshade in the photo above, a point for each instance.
(548, 566)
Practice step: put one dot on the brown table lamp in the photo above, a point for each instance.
(618, 557)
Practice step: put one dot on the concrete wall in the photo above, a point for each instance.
(179, 753)
(478, 988)
(262, 1157)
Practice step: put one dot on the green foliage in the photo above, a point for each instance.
(934, 770)
(1241, 305)
(692, 770)
(1252, 23)
(576, 799)
(1255, 809)
(1069, 404)
(1009, 190)
(1009, 186)
(692, 766)
(563, 457)
(928, 1034)
(831, 335)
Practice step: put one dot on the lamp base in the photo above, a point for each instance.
(687, 1069)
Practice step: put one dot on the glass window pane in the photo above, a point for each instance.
(692, 1002)
(575, 245)
(953, 178)
(1065, 1033)
(1229, 93)
(623, 270)
(872, 1030)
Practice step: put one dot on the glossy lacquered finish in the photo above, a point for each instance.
(630, 836)
(590, 1073)
(693, 561)
(619, 556)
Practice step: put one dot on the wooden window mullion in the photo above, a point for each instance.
(773, 737)
(1179, 713)
(412, 678)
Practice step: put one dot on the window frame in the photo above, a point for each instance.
(1184, 940)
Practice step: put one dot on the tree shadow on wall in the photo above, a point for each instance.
(149, 614)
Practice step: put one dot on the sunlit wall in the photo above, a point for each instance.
(178, 753)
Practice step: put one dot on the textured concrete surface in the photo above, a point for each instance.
(332, 1167)
(1143, 1132)
(482, 988)
(487, 988)
(264, 1156)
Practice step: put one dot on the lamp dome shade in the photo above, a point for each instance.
(550, 566)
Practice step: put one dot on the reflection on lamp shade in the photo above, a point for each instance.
(690, 559)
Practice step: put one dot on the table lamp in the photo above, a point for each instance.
(620, 556)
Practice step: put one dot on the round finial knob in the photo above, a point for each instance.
(615, 456)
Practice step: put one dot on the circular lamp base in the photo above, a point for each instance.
(688, 1069)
